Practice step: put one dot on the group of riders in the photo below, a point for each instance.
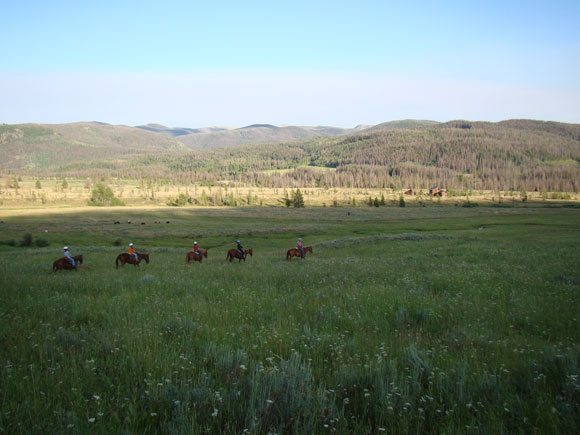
(131, 251)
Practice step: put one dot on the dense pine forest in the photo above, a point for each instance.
(459, 155)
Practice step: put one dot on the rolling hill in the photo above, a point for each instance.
(50, 148)
(213, 137)
(459, 154)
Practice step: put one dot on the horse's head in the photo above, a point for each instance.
(79, 258)
(308, 249)
(204, 252)
(144, 257)
(248, 252)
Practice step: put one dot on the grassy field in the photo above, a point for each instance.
(28, 192)
(418, 319)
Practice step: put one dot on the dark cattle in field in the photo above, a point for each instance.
(117, 222)
(167, 222)
(437, 191)
(143, 223)
(128, 222)
(408, 192)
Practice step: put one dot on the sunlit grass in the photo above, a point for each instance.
(424, 320)
(153, 194)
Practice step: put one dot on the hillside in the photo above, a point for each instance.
(177, 131)
(52, 148)
(404, 124)
(461, 155)
(252, 134)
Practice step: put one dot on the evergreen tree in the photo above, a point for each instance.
(298, 199)
(102, 195)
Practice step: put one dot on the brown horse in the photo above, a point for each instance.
(192, 256)
(63, 263)
(126, 258)
(234, 253)
(295, 252)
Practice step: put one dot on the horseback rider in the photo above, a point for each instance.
(196, 249)
(300, 247)
(240, 249)
(69, 257)
(132, 253)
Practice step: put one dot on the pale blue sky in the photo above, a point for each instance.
(299, 62)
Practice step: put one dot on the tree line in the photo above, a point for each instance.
(514, 156)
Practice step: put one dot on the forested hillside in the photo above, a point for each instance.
(51, 149)
(508, 155)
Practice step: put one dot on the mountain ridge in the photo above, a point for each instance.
(211, 137)
(510, 154)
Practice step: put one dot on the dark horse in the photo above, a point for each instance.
(234, 253)
(192, 256)
(126, 258)
(63, 263)
(295, 252)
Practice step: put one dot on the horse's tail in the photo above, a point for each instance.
(117, 262)
(54, 268)
(288, 255)
(228, 256)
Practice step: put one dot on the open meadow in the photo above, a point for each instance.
(404, 319)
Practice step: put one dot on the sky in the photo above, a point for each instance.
(339, 63)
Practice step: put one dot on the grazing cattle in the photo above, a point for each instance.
(117, 222)
(437, 191)
(167, 222)
(408, 192)
(128, 222)
(143, 223)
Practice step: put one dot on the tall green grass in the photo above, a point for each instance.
(450, 320)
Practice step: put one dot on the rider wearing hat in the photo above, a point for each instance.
(196, 248)
(69, 257)
(240, 248)
(131, 252)
(300, 247)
